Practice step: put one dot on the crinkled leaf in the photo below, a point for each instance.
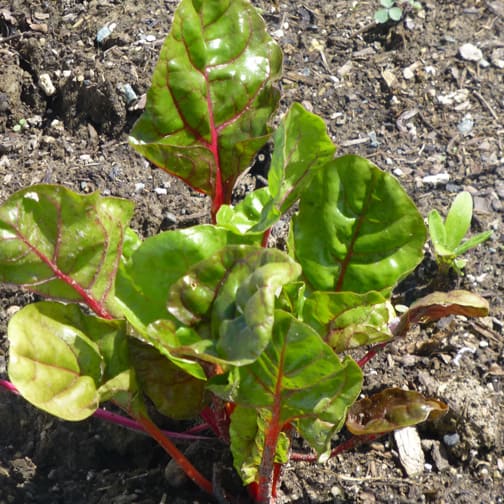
(442, 304)
(246, 432)
(458, 220)
(145, 278)
(348, 320)
(234, 294)
(392, 409)
(63, 245)
(298, 378)
(246, 214)
(59, 359)
(173, 392)
(211, 95)
(357, 230)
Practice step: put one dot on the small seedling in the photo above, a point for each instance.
(448, 237)
(392, 11)
(21, 125)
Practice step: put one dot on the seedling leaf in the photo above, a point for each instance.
(437, 233)
(357, 230)
(391, 409)
(472, 242)
(395, 13)
(458, 220)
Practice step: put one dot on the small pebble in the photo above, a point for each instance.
(438, 179)
(451, 439)
(160, 190)
(105, 32)
(470, 52)
(139, 186)
(46, 84)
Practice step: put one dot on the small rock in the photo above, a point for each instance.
(104, 32)
(470, 52)
(466, 124)
(497, 57)
(139, 186)
(410, 450)
(160, 191)
(438, 179)
(46, 84)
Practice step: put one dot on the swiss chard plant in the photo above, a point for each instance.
(448, 237)
(207, 322)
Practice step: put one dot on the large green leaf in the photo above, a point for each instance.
(143, 280)
(62, 362)
(348, 320)
(299, 379)
(63, 245)
(232, 297)
(357, 230)
(211, 95)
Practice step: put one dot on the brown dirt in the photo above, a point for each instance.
(352, 73)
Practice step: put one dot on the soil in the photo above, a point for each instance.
(399, 94)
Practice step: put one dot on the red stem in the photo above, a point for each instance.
(176, 455)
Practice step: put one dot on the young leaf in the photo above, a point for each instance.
(458, 220)
(234, 294)
(211, 96)
(395, 13)
(356, 230)
(302, 147)
(472, 242)
(437, 233)
(61, 369)
(348, 320)
(381, 16)
(442, 304)
(63, 245)
(391, 409)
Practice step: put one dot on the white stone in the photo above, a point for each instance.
(470, 52)
(46, 84)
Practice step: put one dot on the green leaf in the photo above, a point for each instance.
(381, 16)
(174, 393)
(472, 242)
(233, 293)
(59, 358)
(392, 409)
(442, 304)
(395, 13)
(299, 378)
(356, 230)
(246, 433)
(241, 218)
(348, 320)
(211, 96)
(458, 220)
(144, 280)
(63, 245)
(437, 233)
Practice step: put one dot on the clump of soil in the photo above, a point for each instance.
(402, 95)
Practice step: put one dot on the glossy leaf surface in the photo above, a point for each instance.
(211, 95)
(63, 245)
(301, 147)
(233, 294)
(297, 377)
(145, 278)
(458, 219)
(61, 360)
(348, 320)
(357, 230)
(392, 409)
